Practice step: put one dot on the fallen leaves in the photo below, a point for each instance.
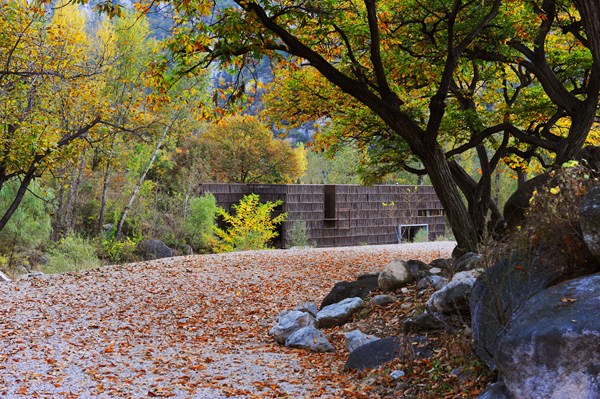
(155, 330)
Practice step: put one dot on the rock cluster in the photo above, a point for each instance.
(539, 332)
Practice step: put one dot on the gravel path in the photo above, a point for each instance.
(187, 327)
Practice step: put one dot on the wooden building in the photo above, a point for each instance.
(346, 215)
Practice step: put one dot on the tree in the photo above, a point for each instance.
(420, 74)
(50, 95)
(242, 150)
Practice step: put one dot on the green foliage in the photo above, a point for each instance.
(250, 228)
(299, 233)
(71, 253)
(119, 251)
(29, 226)
(421, 236)
(340, 168)
(199, 224)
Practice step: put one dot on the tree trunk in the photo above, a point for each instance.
(449, 195)
(27, 179)
(119, 231)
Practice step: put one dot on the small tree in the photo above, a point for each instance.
(250, 228)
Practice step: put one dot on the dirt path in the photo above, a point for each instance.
(188, 327)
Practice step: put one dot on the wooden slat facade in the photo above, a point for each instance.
(343, 215)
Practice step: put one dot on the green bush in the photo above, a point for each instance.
(122, 251)
(71, 253)
(199, 223)
(250, 228)
(29, 227)
(421, 235)
(299, 234)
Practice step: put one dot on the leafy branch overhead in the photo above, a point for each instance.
(512, 83)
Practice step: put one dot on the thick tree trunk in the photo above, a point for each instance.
(27, 179)
(449, 195)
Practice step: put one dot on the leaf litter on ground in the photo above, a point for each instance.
(186, 327)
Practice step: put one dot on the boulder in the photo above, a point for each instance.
(356, 338)
(435, 282)
(309, 308)
(468, 275)
(154, 249)
(468, 261)
(309, 338)
(289, 322)
(589, 214)
(351, 289)
(498, 294)
(380, 300)
(452, 299)
(423, 323)
(396, 274)
(442, 264)
(552, 349)
(376, 353)
(418, 269)
(496, 390)
(338, 313)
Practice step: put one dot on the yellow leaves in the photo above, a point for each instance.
(555, 190)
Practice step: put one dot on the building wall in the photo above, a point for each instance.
(344, 215)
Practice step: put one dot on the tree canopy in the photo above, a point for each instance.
(419, 83)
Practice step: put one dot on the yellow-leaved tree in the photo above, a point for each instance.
(50, 85)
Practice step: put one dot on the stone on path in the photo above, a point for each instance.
(356, 338)
(289, 322)
(339, 313)
(309, 338)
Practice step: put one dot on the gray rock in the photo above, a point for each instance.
(436, 282)
(35, 274)
(4, 278)
(441, 264)
(355, 339)
(589, 214)
(423, 323)
(396, 274)
(496, 390)
(552, 349)
(351, 289)
(376, 353)
(418, 269)
(467, 274)
(435, 270)
(468, 261)
(187, 250)
(380, 300)
(339, 313)
(452, 299)
(397, 374)
(154, 249)
(498, 294)
(289, 322)
(309, 338)
(309, 308)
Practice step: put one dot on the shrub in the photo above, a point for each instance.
(119, 251)
(250, 228)
(299, 234)
(71, 253)
(199, 223)
(421, 235)
(29, 227)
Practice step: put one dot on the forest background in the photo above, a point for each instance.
(111, 120)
